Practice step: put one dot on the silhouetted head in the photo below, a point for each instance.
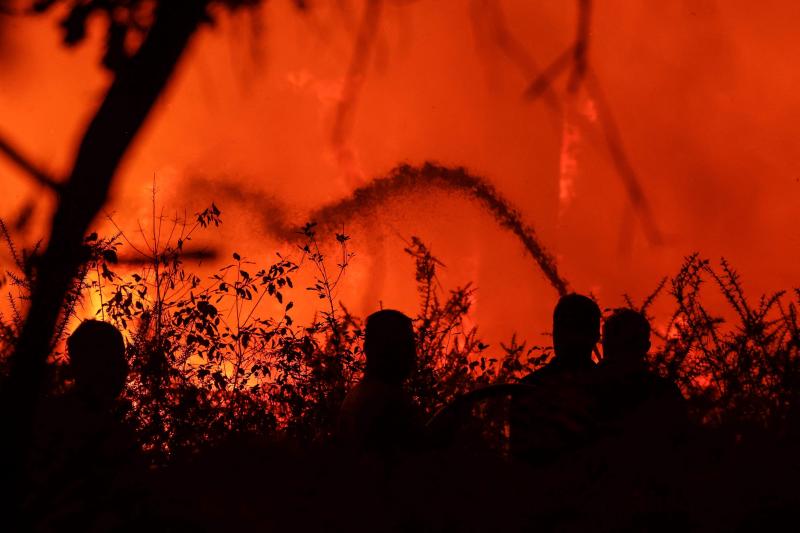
(97, 357)
(576, 328)
(626, 338)
(389, 346)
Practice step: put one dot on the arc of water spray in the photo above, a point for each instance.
(402, 180)
(406, 179)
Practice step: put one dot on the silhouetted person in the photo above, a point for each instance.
(642, 421)
(84, 452)
(97, 359)
(576, 331)
(559, 416)
(378, 415)
(632, 394)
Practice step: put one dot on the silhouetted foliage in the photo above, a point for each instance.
(128, 22)
(742, 373)
(207, 361)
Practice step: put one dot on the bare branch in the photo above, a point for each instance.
(40, 176)
(543, 82)
(201, 254)
(365, 40)
(488, 15)
(580, 52)
(619, 157)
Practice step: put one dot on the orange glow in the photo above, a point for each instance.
(703, 93)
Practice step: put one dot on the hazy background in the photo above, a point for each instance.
(703, 92)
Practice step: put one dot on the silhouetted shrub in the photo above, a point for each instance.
(206, 362)
(743, 372)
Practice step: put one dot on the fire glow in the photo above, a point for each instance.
(257, 108)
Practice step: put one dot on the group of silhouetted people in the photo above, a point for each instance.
(574, 397)
(613, 410)
(599, 434)
(571, 402)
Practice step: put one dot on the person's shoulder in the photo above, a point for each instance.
(556, 371)
(665, 394)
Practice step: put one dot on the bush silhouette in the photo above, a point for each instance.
(206, 363)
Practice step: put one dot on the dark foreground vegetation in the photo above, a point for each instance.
(231, 409)
(224, 415)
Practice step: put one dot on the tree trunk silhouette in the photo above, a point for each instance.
(125, 107)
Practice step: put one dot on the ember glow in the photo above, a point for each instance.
(296, 110)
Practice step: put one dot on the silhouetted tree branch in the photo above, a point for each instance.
(488, 17)
(40, 176)
(362, 51)
(621, 162)
(580, 51)
(577, 57)
(544, 81)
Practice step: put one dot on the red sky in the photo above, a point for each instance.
(704, 94)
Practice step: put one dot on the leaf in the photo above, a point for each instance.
(110, 256)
